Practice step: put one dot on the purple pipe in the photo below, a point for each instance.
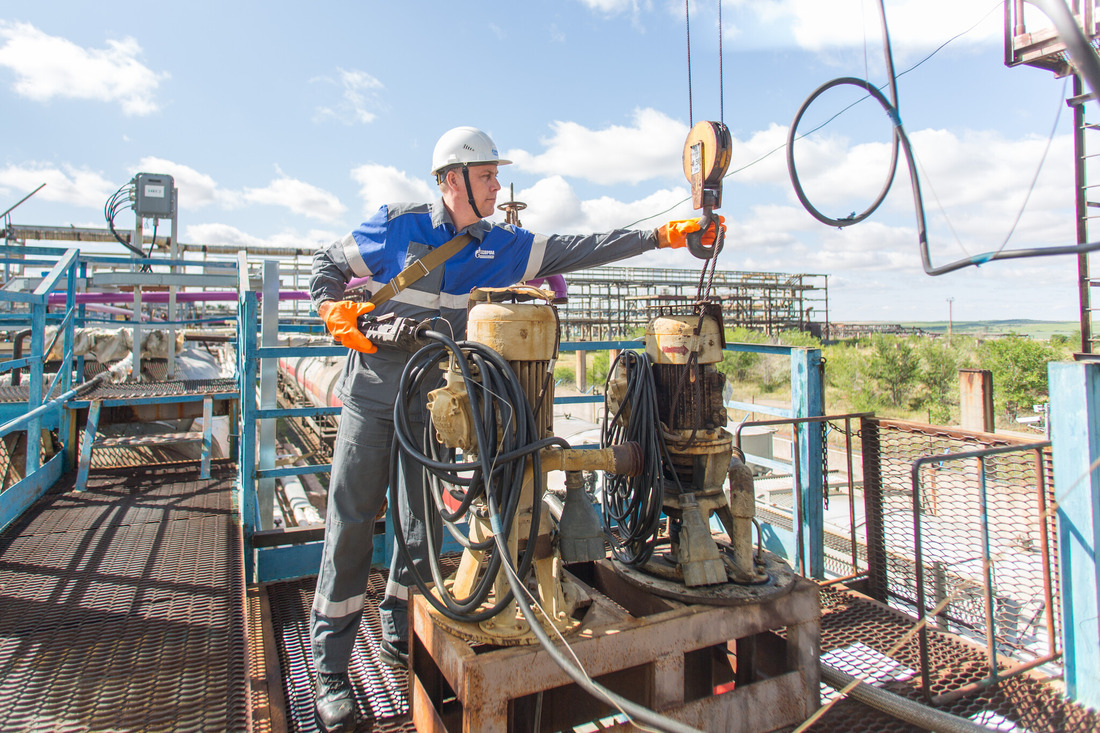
(555, 283)
(160, 296)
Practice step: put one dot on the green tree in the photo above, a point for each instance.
(1019, 367)
(738, 365)
(894, 366)
(847, 374)
(938, 376)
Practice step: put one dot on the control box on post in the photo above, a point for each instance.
(154, 197)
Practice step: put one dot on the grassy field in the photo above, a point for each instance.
(1041, 330)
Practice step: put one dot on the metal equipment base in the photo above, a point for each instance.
(658, 577)
(711, 666)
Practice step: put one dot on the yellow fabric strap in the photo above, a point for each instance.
(420, 268)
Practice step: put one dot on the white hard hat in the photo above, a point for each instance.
(464, 146)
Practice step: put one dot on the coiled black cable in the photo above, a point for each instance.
(499, 407)
(632, 505)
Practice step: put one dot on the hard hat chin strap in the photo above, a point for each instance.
(469, 191)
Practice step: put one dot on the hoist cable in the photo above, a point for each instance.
(721, 65)
(687, 32)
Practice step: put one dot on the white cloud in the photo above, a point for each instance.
(914, 25)
(360, 98)
(67, 184)
(555, 208)
(195, 189)
(226, 234)
(297, 196)
(383, 184)
(650, 148)
(610, 7)
(50, 66)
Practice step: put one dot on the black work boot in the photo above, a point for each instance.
(335, 710)
(394, 654)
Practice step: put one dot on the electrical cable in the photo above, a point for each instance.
(116, 203)
(632, 506)
(578, 675)
(499, 407)
(902, 139)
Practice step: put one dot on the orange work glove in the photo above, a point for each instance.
(674, 234)
(340, 318)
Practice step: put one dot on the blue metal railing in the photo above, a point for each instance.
(275, 561)
(37, 478)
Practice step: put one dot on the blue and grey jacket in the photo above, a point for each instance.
(500, 255)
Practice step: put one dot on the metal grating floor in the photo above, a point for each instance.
(380, 691)
(122, 608)
(856, 633)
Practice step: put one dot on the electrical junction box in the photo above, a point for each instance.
(155, 196)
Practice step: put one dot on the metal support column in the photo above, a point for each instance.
(808, 400)
(246, 374)
(269, 337)
(1081, 213)
(1075, 437)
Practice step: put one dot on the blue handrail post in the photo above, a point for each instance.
(1075, 445)
(37, 374)
(247, 374)
(66, 428)
(808, 400)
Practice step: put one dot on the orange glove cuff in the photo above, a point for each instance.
(674, 234)
(341, 318)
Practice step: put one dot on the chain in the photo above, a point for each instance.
(825, 462)
(824, 444)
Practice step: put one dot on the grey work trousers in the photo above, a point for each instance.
(357, 488)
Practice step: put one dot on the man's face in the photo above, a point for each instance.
(483, 186)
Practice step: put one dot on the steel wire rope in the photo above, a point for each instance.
(632, 506)
(499, 408)
(900, 137)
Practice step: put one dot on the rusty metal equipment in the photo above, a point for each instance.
(703, 474)
(511, 345)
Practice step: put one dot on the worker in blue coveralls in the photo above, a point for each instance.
(465, 163)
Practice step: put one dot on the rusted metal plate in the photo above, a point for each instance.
(649, 658)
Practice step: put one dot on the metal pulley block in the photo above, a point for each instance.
(707, 153)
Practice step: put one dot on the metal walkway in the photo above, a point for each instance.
(122, 607)
(380, 692)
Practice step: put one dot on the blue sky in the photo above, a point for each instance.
(287, 123)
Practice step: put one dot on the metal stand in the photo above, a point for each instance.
(719, 668)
